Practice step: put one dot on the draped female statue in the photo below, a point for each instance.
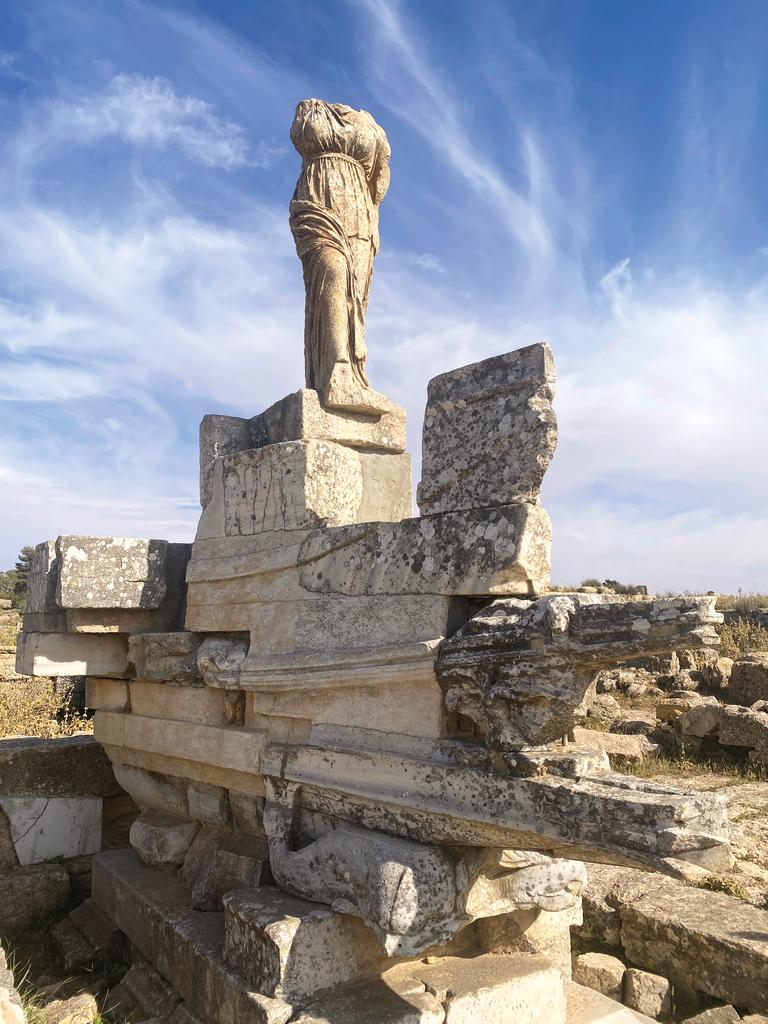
(334, 218)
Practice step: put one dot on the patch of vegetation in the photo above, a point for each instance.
(718, 762)
(33, 707)
(741, 637)
(742, 603)
(730, 886)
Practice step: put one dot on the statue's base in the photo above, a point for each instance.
(291, 960)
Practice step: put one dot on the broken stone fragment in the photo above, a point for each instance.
(489, 432)
(166, 657)
(524, 671)
(162, 840)
(647, 993)
(600, 972)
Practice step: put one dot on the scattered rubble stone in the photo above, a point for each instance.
(749, 679)
(647, 993)
(601, 972)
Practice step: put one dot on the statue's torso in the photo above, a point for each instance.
(338, 149)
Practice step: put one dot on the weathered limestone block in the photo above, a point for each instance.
(161, 839)
(153, 910)
(622, 747)
(742, 727)
(586, 1006)
(488, 551)
(72, 766)
(166, 657)
(187, 704)
(489, 432)
(152, 791)
(489, 989)
(332, 701)
(43, 828)
(448, 793)
(302, 416)
(219, 436)
(299, 485)
(521, 670)
(715, 943)
(107, 694)
(344, 624)
(394, 998)
(717, 1015)
(31, 892)
(78, 1009)
(601, 972)
(64, 654)
(749, 679)
(42, 581)
(650, 994)
(143, 994)
(700, 720)
(290, 947)
(218, 862)
(110, 572)
(547, 933)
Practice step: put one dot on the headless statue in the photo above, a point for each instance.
(334, 218)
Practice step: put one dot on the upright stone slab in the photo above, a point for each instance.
(489, 432)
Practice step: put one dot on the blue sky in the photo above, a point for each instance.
(589, 173)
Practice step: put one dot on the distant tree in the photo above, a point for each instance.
(7, 580)
(23, 565)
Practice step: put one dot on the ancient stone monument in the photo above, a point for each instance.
(348, 726)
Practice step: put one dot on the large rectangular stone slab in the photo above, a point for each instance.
(43, 827)
(111, 572)
(184, 945)
(716, 943)
(503, 550)
(302, 416)
(289, 947)
(65, 654)
(489, 432)
(72, 766)
(300, 485)
(338, 623)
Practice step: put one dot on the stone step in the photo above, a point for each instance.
(87, 937)
(585, 1006)
(152, 908)
(143, 995)
(486, 989)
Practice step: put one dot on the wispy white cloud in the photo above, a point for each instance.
(143, 112)
(411, 87)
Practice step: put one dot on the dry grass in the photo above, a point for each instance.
(31, 707)
(718, 762)
(742, 603)
(741, 637)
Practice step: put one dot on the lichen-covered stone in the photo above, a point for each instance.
(521, 670)
(749, 679)
(111, 572)
(489, 432)
(648, 993)
(489, 551)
